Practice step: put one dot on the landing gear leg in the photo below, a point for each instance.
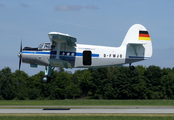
(46, 78)
(131, 67)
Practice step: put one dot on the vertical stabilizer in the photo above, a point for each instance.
(137, 42)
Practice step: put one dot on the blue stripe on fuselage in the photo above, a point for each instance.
(54, 53)
(35, 52)
(95, 55)
(79, 54)
(138, 57)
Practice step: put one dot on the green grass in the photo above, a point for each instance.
(110, 116)
(83, 118)
(88, 102)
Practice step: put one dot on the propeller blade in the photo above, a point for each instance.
(19, 63)
(20, 56)
(21, 46)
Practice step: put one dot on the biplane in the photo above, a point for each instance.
(63, 51)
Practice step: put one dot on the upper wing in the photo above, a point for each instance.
(56, 36)
(56, 40)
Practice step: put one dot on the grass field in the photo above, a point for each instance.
(84, 117)
(88, 102)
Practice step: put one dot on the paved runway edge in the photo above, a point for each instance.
(150, 111)
(91, 107)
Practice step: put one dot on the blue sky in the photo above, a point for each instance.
(91, 22)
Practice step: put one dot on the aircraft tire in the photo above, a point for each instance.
(45, 79)
(132, 67)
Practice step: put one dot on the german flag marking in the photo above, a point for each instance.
(144, 38)
(144, 35)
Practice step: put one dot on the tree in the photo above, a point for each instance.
(73, 90)
(167, 86)
(103, 83)
(21, 79)
(34, 86)
(109, 84)
(59, 84)
(153, 75)
(8, 84)
(124, 83)
(98, 76)
(85, 83)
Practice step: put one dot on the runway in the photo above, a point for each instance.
(156, 111)
(91, 107)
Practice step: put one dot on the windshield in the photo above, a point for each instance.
(45, 46)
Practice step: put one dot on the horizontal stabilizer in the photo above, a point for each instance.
(136, 47)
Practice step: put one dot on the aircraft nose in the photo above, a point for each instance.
(20, 54)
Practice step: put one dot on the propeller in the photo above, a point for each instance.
(20, 56)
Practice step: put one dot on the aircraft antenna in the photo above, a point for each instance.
(100, 42)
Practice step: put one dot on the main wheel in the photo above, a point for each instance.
(45, 79)
(132, 67)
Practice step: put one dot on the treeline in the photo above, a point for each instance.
(103, 83)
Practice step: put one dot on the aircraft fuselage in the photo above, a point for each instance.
(81, 56)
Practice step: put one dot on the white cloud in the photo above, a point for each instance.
(171, 47)
(69, 8)
(92, 7)
(24, 5)
(2, 5)
(74, 7)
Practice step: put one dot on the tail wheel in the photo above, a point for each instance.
(45, 79)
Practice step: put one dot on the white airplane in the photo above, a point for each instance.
(64, 52)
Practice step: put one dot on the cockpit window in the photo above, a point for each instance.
(41, 46)
(45, 46)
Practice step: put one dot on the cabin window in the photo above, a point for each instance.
(68, 54)
(114, 55)
(120, 55)
(104, 55)
(72, 54)
(87, 57)
(109, 55)
(63, 53)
